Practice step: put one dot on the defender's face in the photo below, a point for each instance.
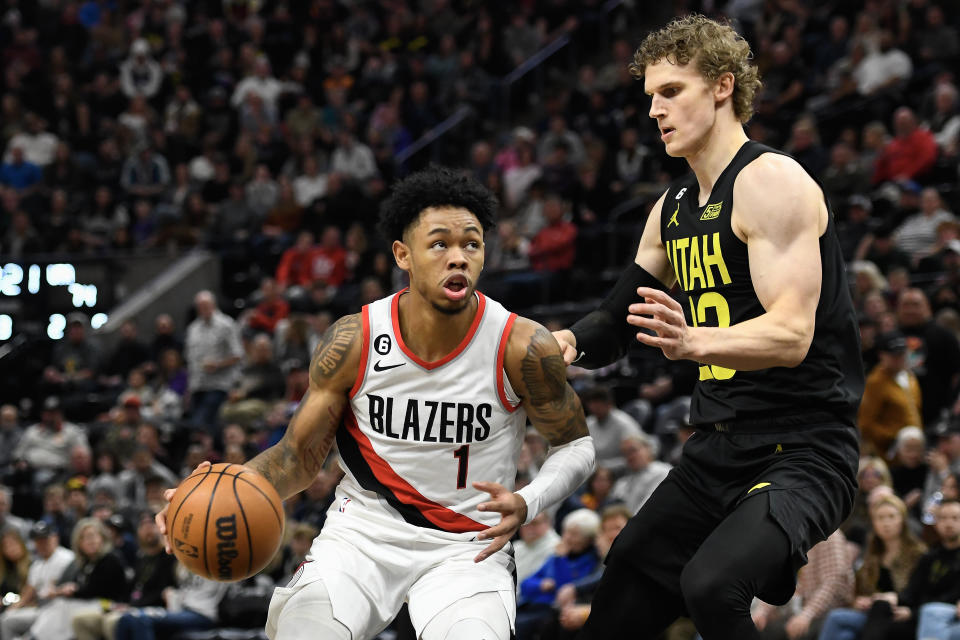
(682, 103)
(443, 253)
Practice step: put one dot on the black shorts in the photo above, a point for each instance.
(807, 471)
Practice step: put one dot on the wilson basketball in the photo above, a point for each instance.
(225, 522)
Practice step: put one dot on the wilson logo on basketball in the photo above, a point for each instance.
(226, 545)
(186, 548)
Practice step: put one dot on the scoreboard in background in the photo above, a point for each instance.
(36, 296)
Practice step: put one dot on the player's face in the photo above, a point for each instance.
(684, 105)
(443, 253)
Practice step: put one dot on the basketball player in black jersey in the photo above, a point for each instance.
(764, 309)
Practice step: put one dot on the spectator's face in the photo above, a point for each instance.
(904, 122)
(90, 541)
(870, 478)
(611, 527)
(949, 488)
(443, 253)
(929, 200)
(46, 545)
(637, 454)
(553, 210)
(602, 482)
(262, 351)
(887, 522)
(51, 418)
(912, 452)
(945, 98)
(205, 307)
(148, 534)
(8, 417)
(948, 523)
(575, 541)
(13, 549)
(599, 408)
(536, 529)
(913, 309)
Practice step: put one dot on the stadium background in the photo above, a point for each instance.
(155, 149)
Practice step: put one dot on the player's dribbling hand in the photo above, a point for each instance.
(513, 510)
(161, 518)
(664, 316)
(568, 344)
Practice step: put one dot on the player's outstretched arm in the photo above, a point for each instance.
(537, 372)
(603, 336)
(781, 228)
(293, 463)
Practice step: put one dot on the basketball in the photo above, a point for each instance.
(225, 522)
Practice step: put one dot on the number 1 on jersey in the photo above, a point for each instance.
(462, 454)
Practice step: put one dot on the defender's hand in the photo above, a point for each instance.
(161, 518)
(568, 344)
(513, 509)
(664, 316)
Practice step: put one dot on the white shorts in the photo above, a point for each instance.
(371, 564)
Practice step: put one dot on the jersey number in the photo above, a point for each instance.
(462, 454)
(698, 311)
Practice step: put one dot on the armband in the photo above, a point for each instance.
(567, 466)
(604, 335)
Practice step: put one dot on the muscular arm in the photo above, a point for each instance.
(537, 373)
(781, 227)
(293, 463)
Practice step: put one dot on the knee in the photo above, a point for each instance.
(711, 594)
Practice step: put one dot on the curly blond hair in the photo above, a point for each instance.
(713, 46)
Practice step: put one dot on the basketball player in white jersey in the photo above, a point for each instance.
(427, 393)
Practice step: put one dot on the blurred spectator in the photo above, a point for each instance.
(14, 561)
(21, 238)
(873, 473)
(11, 431)
(190, 606)
(296, 263)
(599, 485)
(933, 354)
(945, 121)
(145, 174)
(75, 361)
(884, 68)
(845, 178)
(46, 571)
(554, 247)
(140, 75)
(262, 84)
(271, 308)
(878, 247)
(521, 174)
(909, 470)
(329, 260)
(537, 543)
(910, 154)
(262, 192)
(129, 352)
(97, 573)
(18, 173)
(213, 351)
(643, 474)
(38, 145)
(152, 573)
(311, 184)
(891, 554)
(575, 558)
(891, 397)
(45, 446)
(918, 233)
(824, 584)
(234, 220)
(164, 336)
(609, 427)
(804, 145)
(7, 519)
(260, 382)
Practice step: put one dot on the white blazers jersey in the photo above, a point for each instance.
(417, 434)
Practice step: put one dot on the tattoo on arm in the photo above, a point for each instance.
(553, 408)
(334, 346)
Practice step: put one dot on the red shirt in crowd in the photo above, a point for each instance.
(268, 313)
(906, 157)
(554, 247)
(296, 267)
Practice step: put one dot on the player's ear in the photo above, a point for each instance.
(401, 254)
(723, 88)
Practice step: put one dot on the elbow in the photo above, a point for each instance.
(797, 352)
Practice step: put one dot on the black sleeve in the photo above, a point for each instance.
(107, 580)
(603, 335)
(915, 586)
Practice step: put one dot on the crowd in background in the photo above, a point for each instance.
(268, 132)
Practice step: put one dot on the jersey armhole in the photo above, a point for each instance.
(364, 351)
(508, 397)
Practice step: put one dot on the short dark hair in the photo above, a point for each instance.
(435, 186)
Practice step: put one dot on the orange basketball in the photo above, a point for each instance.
(225, 522)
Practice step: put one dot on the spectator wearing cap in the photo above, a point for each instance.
(910, 154)
(213, 351)
(918, 233)
(934, 353)
(48, 567)
(45, 446)
(609, 427)
(644, 472)
(140, 74)
(891, 397)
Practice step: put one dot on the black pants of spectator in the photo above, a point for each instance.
(732, 565)
(880, 624)
(205, 407)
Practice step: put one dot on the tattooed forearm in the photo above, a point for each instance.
(543, 370)
(553, 407)
(334, 345)
(293, 463)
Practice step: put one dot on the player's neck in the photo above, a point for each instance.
(429, 333)
(719, 148)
